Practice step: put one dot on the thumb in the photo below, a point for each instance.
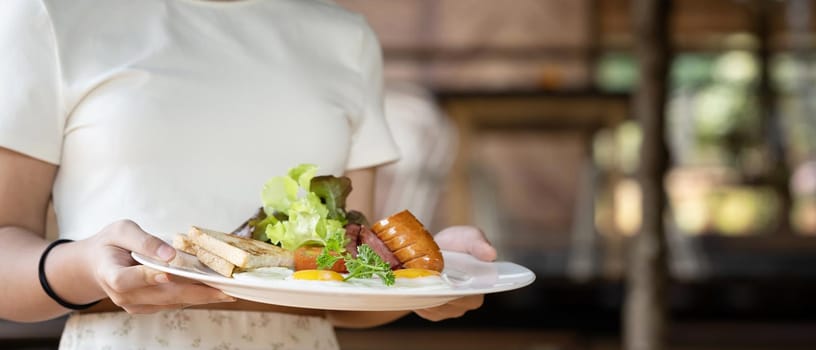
(128, 235)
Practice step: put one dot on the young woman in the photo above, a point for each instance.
(141, 118)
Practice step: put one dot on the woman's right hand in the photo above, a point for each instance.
(134, 287)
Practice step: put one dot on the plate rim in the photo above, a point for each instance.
(454, 291)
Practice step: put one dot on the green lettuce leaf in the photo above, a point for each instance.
(278, 194)
(329, 229)
(356, 217)
(303, 174)
(259, 228)
(333, 191)
(304, 209)
(277, 234)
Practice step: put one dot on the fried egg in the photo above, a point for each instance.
(413, 278)
(317, 275)
(404, 278)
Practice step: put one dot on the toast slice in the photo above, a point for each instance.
(215, 262)
(183, 243)
(244, 253)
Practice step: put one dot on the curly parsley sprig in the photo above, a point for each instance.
(368, 264)
(333, 251)
(365, 265)
(326, 260)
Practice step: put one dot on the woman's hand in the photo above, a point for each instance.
(134, 287)
(466, 239)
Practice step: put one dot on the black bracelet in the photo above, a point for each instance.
(47, 288)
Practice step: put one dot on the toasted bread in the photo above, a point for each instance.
(215, 262)
(218, 264)
(184, 244)
(244, 253)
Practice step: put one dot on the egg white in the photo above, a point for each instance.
(427, 282)
(266, 274)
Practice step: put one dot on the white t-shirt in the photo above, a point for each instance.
(175, 112)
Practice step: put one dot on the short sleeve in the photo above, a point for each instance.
(31, 116)
(372, 143)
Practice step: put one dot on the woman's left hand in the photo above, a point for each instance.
(465, 239)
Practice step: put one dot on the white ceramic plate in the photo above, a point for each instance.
(463, 275)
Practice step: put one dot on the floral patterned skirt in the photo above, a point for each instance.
(197, 329)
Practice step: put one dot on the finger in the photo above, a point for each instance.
(452, 238)
(172, 293)
(124, 279)
(466, 239)
(440, 313)
(183, 280)
(454, 308)
(128, 235)
(482, 250)
(470, 302)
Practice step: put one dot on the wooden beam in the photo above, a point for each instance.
(771, 125)
(645, 304)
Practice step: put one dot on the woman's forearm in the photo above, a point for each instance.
(22, 298)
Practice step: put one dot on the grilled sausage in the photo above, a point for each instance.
(410, 242)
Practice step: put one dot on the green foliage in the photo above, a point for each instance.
(301, 215)
(333, 191)
(368, 264)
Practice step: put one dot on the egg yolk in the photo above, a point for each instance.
(414, 273)
(317, 275)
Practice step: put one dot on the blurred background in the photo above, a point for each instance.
(516, 116)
